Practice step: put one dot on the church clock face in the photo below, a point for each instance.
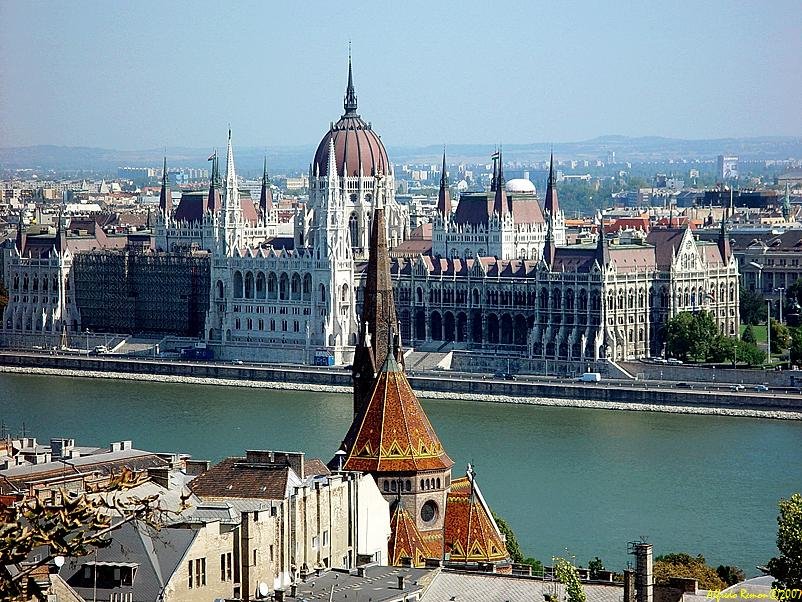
(428, 512)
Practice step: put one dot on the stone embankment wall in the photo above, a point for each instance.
(686, 373)
(441, 386)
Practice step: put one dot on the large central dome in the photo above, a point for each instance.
(358, 150)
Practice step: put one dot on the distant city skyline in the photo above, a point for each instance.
(145, 75)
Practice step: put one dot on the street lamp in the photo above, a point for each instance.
(781, 290)
(768, 328)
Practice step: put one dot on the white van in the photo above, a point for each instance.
(590, 377)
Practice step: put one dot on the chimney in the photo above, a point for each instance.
(644, 581)
(293, 590)
(629, 585)
(360, 571)
(401, 582)
(279, 595)
(196, 467)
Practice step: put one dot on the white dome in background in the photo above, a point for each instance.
(462, 185)
(520, 185)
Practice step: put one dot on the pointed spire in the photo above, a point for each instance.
(213, 200)
(231, 174)
(61, 236)
(165, 198)
(549, 248)
(501, 204)
(551, 204)
(724, 241)
(349, 104)
(444, 196)
(495, 171)
(21, 236)
(787, 202)
(331, 169)
(602, 246)
(379, 318)
(266, 198)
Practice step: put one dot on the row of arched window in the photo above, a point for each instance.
(34, 284)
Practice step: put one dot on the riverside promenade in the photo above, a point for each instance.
(663, 396)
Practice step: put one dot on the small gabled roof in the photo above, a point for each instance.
(469, 527)
(405, 539)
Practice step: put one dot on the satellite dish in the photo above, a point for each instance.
(59, 561)
(263, 589)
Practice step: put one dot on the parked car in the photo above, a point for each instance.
(761, 388)
(590, 377)
(683, 386)
(675, 361)
(736, 387)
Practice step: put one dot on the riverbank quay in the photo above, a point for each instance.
(638, 396)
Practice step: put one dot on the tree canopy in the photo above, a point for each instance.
(681, 564)
(787, 567)
(72, 526)
(752, 306)
(569, 577)
(695, 337)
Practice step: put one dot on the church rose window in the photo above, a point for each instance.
(428, 512)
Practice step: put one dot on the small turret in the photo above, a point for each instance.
(551, 204)
(602, 246)
(21, 235)
(501, 203)
(60, 243)
(213, 200)
(349, 103)
(165, 198)
(724, 242)
(549, 248)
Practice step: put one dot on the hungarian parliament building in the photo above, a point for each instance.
(497, 276)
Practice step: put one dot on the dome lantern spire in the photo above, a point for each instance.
(350, 104)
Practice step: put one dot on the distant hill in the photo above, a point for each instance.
(297, 158)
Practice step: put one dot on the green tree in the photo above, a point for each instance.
(752, 306)
(595, 566)
(569, 577)
(787, 567)
(513, 548)
(681, 564)
(750, 354)
(730, 574)
(689, 336)
(723, 349)
(794, 292)
(780, 336)
(749, 335)
(796, 345)
(537, 566)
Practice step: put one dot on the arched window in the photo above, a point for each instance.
(238, 285)
(284, 287)
(272, 286)
(249, 285)
(353, 229)
(307, 287)
(344, 293)
(219, 289)
(296, 287)
(260, 285)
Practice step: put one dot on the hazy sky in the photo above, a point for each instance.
(139, 74)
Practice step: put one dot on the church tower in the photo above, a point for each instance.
(378, 328)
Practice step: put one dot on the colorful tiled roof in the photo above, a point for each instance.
(392, 432)
(471, 534)
(405, 539)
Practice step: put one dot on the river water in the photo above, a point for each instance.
(575, 482)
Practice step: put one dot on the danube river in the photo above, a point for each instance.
(583, 480)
